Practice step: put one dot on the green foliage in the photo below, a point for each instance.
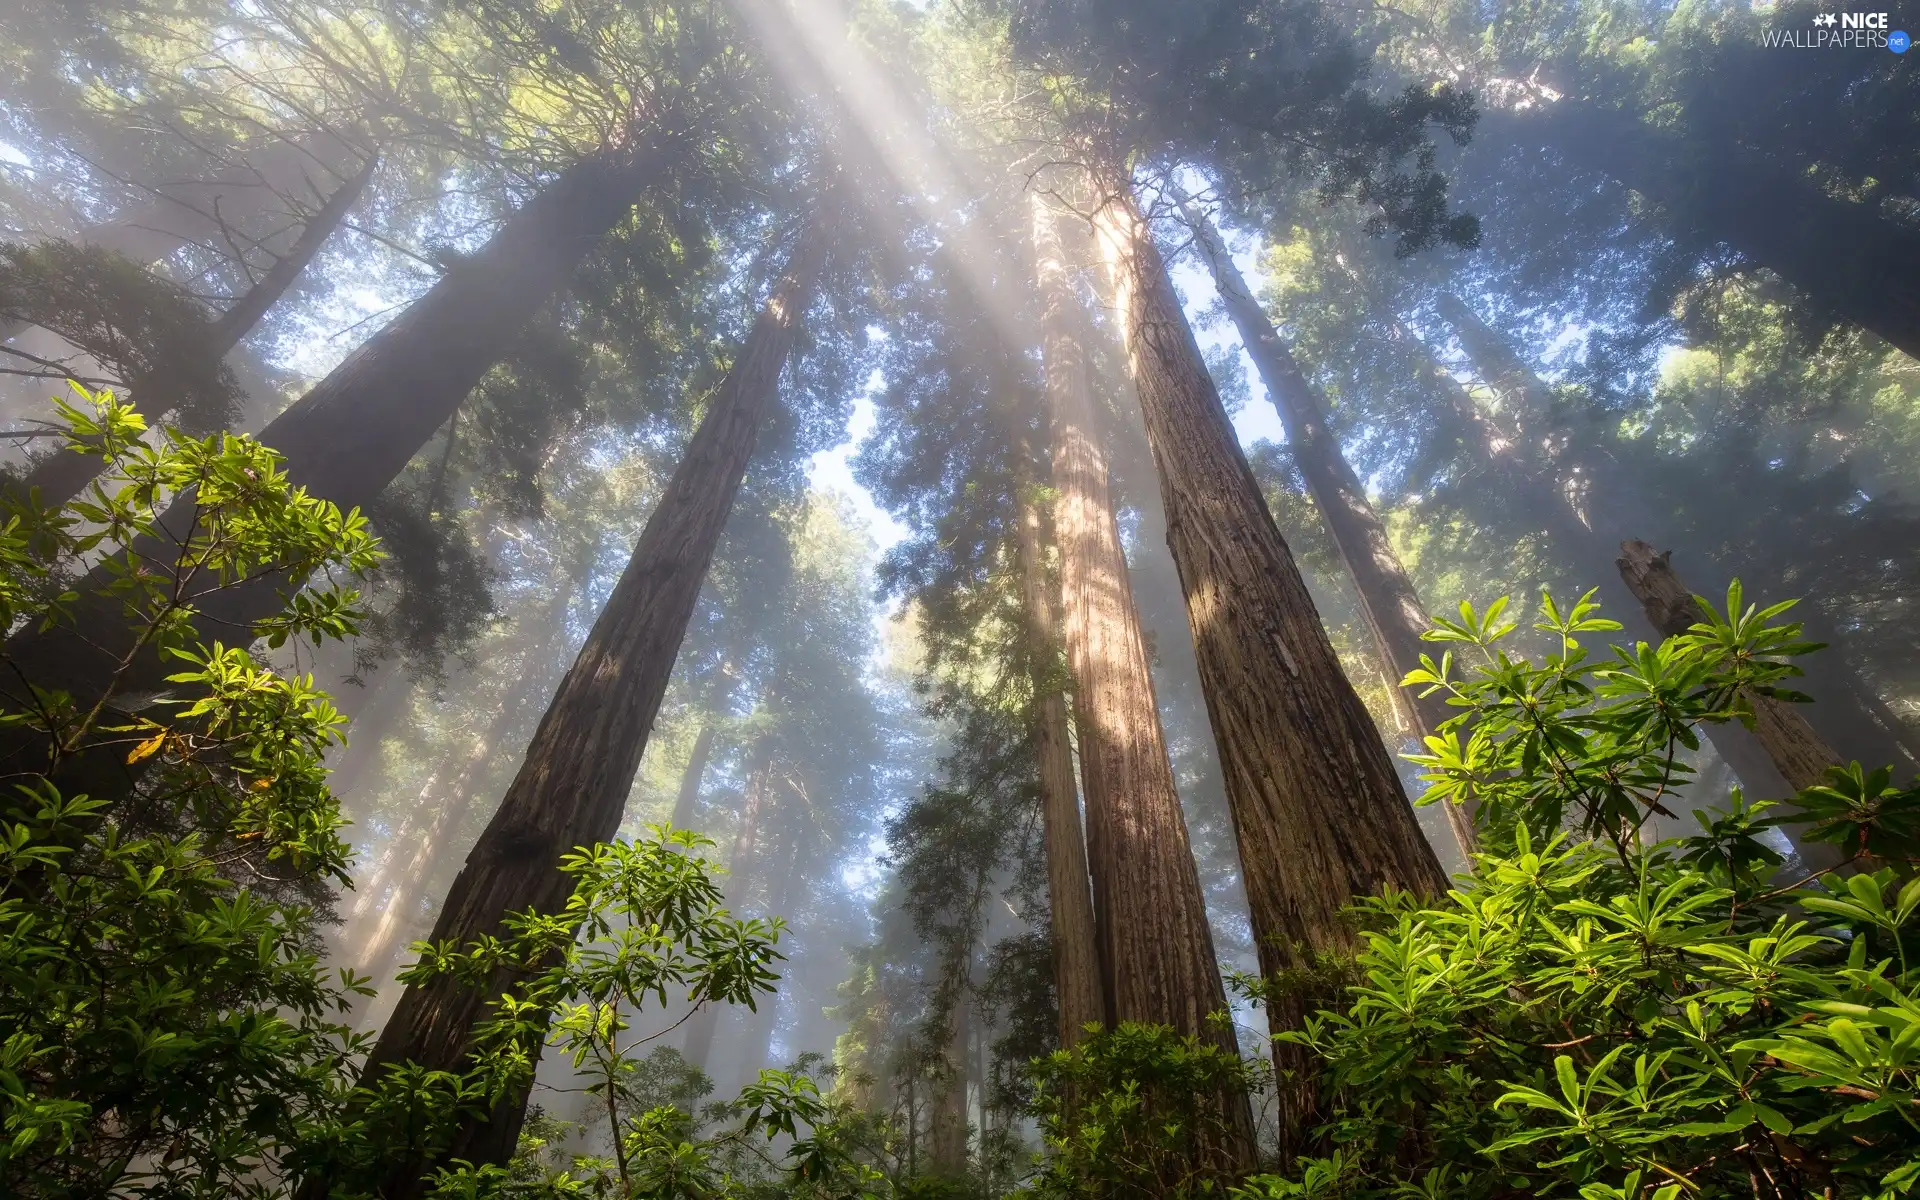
(1133, 1111)
(644, 919)
(1270, 86)
(164, 1021)
(666, 1152)
(1594, 1013)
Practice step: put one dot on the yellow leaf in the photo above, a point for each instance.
(148, 748)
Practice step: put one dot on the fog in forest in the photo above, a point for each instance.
(986, 467)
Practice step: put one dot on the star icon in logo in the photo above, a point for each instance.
(1825, 18)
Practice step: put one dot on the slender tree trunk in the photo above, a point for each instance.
(1076, 945)
(686, 804)
(697, 1048)
(1389, 602)
(1557, 492)
(913, 1130)
(1317, 805)
(1156, 947)
(64, 474)
(1846, 255)
(572, 788)
(980, 1075)
(1847, 707)
(949, 1133)
(779, 893)
(1796, 750)
(351, 435)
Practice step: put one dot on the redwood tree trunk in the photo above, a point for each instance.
(763, 1022)
(697, 1048)
(353, 433)
(1801, 754)
(573, 787)
(1318, 809)
(948, 1135)
(1076, 946)
(1156, 947)
(1389, 603)
(686, 804)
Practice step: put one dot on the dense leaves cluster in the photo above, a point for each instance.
(1599, 1012)
(166, 1025)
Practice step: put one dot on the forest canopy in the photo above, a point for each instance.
(909, 599)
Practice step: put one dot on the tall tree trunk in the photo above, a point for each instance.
(949, 1133)
(350, 436)
(63, 474)
(1156, 947)
(686, 804)
(697, 1048)
(1076, 946)
(1389, 603)
(1847, 708)
(573, 787)
(1556, 492)
(1317, 805)
(1845, 255)
(1800, 754)
(779, 893)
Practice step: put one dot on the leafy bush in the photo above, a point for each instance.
(644, 919)
(164, 1020)
(1594, 1013)
(1134, 1111)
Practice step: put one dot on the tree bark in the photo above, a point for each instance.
(1318, 809)
(1156, 947)
(1844, 254)
(763, 1022)
(1389, 603)
(686, 804)
(697, 1048)
(573, 787)
(1577, 506)
(349, 436)
(948, 1136)
(1076, 945)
